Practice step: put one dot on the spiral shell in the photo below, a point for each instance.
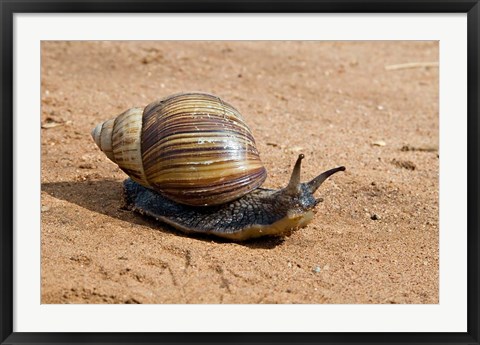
(193, 148)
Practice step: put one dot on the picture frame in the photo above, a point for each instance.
(7, 175)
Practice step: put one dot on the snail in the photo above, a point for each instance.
(192, 163)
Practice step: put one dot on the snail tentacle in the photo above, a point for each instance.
(315, 183)
(293, 186)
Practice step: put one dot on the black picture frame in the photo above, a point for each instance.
(9, 8)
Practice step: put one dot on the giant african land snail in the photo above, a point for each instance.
(193, 164)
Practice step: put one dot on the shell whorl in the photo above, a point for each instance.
(120, 140)
(193, 148)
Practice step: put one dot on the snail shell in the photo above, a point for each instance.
(193, 148)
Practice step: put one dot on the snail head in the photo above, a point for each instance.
(302, 194)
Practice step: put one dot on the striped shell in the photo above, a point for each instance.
(193, 148)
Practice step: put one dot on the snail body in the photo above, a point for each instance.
(193, 164)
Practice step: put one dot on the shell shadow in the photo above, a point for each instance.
(106, 197)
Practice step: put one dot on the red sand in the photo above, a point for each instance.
(334, 101)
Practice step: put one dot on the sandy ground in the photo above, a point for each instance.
(373, 240)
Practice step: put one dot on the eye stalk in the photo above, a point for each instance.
(294, 185)
(314, 184)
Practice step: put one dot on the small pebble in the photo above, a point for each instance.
(379, 143)
(45, 208)
(295, 149)
(380, 107)
(317, 269)
(375, 217)
(51, 125)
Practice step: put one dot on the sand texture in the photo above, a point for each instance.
(370, 106)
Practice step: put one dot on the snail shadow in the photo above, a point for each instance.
(106, 197)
